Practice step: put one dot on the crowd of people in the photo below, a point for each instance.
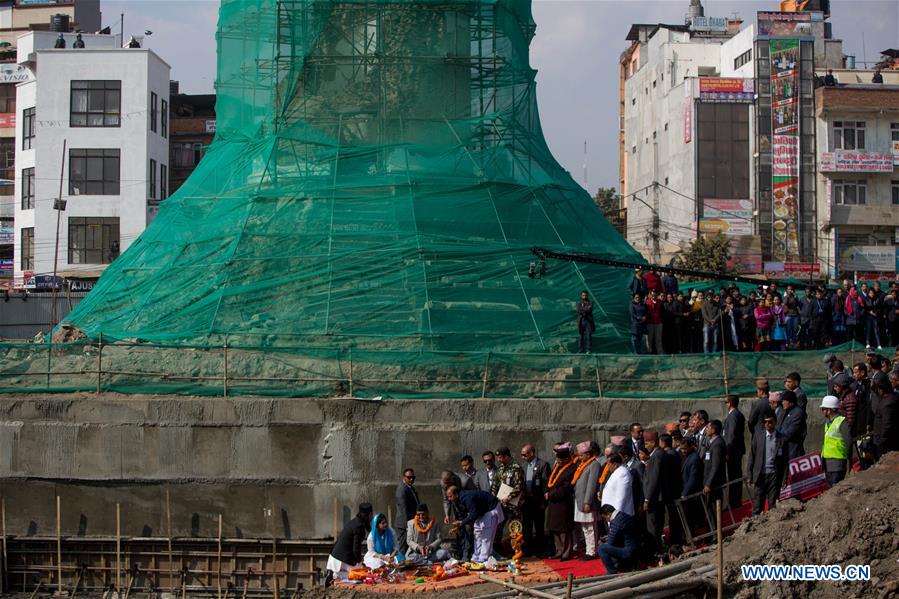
(666, 320)
(614, 503)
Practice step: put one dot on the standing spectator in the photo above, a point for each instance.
(697, 328)
(60, 42)
(560, 501)
(654, 310)
(891, 312)
(805, 319)
(636, 438)
(711, 318)
(638, 323)
(734, 431)
(78, 44)
(585, 324)
(638, 284)
(683, 422)
(886, 419)
(509, 475)
(855, 318)
(759, 406)
(838, 319)
(714, 467)
(745, 318)
(729, 324)
(820, 319)
(792, 425)
(792, 383)
(468, 474)
(874, 318)
(671, 483)
(837, 441)
(653, 281)
(778, 325)
(406, 508)
(829, 79)
(877, 78)
(586, 502)
(767, 464)
(763, 322)
(791, 304)
(536, 473)
(670, 284)
(681, 313)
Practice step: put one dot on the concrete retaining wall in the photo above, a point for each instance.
(288, 467)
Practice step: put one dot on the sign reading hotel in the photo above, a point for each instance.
(708, 24)
(721, 90)
(851, 161)
(785, 149)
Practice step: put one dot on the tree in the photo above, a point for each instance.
(608, 201)
(708, 253)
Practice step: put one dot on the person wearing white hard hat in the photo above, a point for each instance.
(837, 441)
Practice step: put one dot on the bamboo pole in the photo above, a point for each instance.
(276, 591)
(4, 578)
(225, 371)
(519, 588)
(218, 558)
(100, 364)
(36, 589)
(724, 357)
(168, 521)
(58, 546)
(570, 585)
(720, 550)
(352, 394)
(118, 546)
(486, 376)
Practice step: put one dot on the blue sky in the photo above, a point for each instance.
(576, 52)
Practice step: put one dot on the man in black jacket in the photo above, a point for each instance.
(792, 425)
(762, 390)
(714, 467)
(536, 475)
(671, 484)
(767, 464)
(406, 508)
(652, 493)
(734, 429)
(347, 551)
(886, 418)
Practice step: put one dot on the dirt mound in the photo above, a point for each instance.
(853, 523)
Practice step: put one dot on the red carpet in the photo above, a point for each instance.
(577, 567)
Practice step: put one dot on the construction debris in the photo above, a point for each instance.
(855, 522)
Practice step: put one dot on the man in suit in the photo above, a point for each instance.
(691, 481)
(468, 474)
(406, 508)
(636, 439)
(734, 429)
(700, 423)
(671, 487)
(759, 406)
(767, 464)
(792, 425)
(536, 474)
(586, 502)
(714, 467)
(484, 477)
(652, 493)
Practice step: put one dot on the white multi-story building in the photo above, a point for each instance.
(109, 106)
(668, 135)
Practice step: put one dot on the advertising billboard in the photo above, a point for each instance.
(785, 55)
(721, 90)
(788, 24)
(852, 161)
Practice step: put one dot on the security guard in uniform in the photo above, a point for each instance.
(837, 441)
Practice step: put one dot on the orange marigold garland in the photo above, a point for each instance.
(418, 527)
(557, 473)
(580, 469)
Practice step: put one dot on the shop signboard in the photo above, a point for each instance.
(870, 258)
(721, 90)
(851, 161)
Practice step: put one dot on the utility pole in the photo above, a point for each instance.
(59, 205)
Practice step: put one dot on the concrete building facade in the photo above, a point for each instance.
(858, 176)
(192, 131)
(110, 107)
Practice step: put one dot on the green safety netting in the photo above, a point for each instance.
(377, 180)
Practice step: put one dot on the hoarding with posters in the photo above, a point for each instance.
(721, 90)
(785, 149)
(732, 218)
(788, 24)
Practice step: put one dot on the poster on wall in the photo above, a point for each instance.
(721, 90)
(788, 24)
(785, 149)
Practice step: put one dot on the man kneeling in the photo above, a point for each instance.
(423, 538)
(619, 551)
(484, 511)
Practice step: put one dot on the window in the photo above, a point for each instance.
(27, 188)
(163, 181)
(165, 119)
(894, 131)
(7, 165)
(94, 172)
(96, 104)
(8, 98)
(848, 135)
(849, 193)
(28, 128)
(28, 248)
(152, 177)
(93, 240)
(153, 111)
(895, 190)
(744, 58)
